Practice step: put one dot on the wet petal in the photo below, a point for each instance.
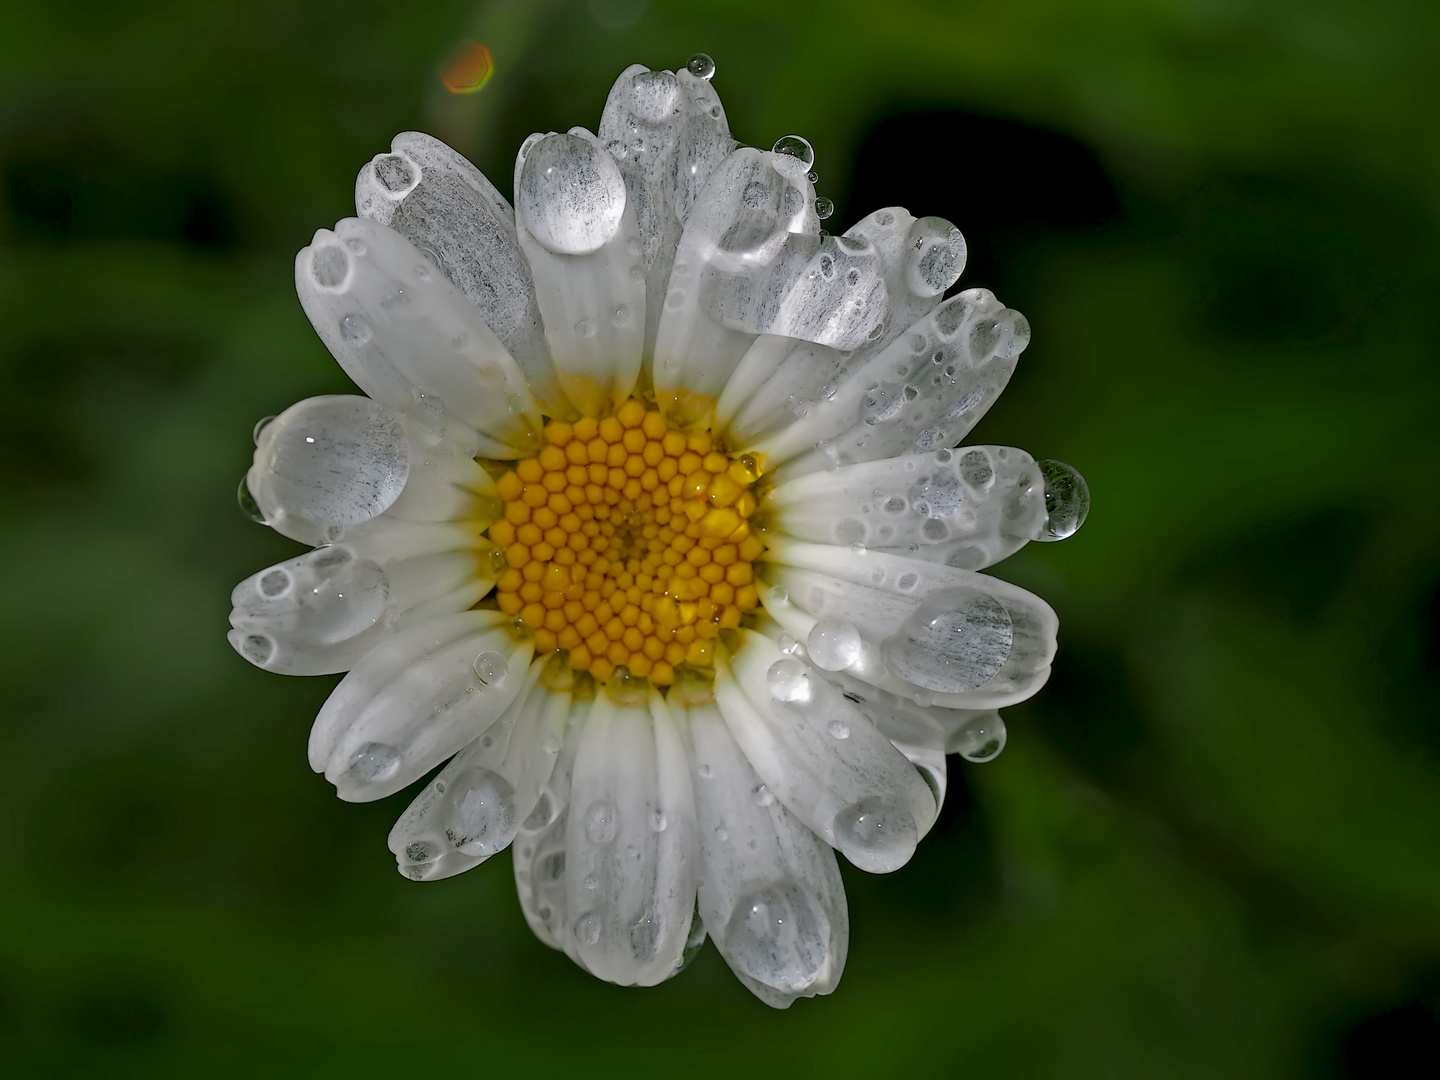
(970, 507)
(476, 804)
(667, 132)
(579, 235)
(953, 637)
(924, 391)
(410, 339)
(321, 612)
(446, 207)
(750, 232)
(770, 892)
(821, 757)
(539, 848)
(630, 844)
(327, 463)
(415, 700)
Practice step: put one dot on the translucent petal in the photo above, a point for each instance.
(415, 700)
(327, 463)
(667, 133)
(630, 844)
(953, 637)
(782, 379)
(821, 757)
(475, 806)
(752, 229)
(924, 391)
(321, 612)
(445, 206)
(579, 235)
(770, 892)
(387, 538)
(410, 339)
(970, 507)
(539, 847)
(446, 483)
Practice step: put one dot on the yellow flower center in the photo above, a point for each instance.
(629, 544)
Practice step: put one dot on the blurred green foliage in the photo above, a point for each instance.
(1211, 847)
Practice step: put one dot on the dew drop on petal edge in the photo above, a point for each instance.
(701, 66)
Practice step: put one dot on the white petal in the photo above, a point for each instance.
(475, 806)
(630, 844)
(321, 612)
(751, 231)
(905, 723)
(446, 483)
(970, 507)
(770, 892)
(667, 132)
(409, 338)
(414, 700)
(579, 234)
(953, 637)
(445, 206)
(386, 538)
(539, 848)
(923, 391)
(327, 463)
(821, 757)
(782, 379)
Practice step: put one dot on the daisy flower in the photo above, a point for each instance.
(653, 529)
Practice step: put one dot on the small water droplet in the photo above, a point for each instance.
(795, 146)
(621, 316)
(657, 821)
(1067, 500)
(585, 328)
(839, 729)
(823, 209)
(591, 882)
(813, 177)
(981, 739)
(789, 680)
(600, 822)
(490, 667)
(260, 426)
(875, 834)
(587, 929)
(763, 796)
(422, 272)
(833, 644)
(857, 549)
(355, 330)
(375, 762)
(778, 595)
(706, 771)
(721, 833)
(701, 66)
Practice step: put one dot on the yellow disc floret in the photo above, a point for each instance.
(629, 544)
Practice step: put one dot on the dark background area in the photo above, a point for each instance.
(1211, 845)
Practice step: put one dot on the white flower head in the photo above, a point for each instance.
(652, 522)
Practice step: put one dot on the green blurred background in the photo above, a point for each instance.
(1211, 847)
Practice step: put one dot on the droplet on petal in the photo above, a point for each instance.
(833, 644)
(957, 641)
(779, 936)
(1067, 500)
(876, 835)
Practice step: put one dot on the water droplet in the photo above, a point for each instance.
(778, 595)
(1067, 500)
(706, 771)
(657, 821)
(260, 425)
(813, 177)
(570, 194)
(490, 667)
(422, 272)
(480, 812)
(875, 834)
(701, 66)
(958, 640)
(797, 147)
(857, 549)
(632, 245)
(329, 265)
(585, 328)
(600, 822)
(375, 762)
(833, 644)
(980, 739)
(721, 833)
(591, 882)
(763, 796)
(356, 245)
(779, 936)
(789, 680)
(935, 256)
(823, 209)
(621, 316)
(587, 929)
(248, 506)
(355, 330)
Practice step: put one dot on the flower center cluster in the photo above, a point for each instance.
(628, 544)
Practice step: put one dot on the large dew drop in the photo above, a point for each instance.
(329, 461)
(1067, 500)
(935, 256)
(958, 641)
(789, 680)
(981, 739)
(797, 147)
(876, 835)
(480, 812)
(571, 195)
(833, 644)
(780, 937)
